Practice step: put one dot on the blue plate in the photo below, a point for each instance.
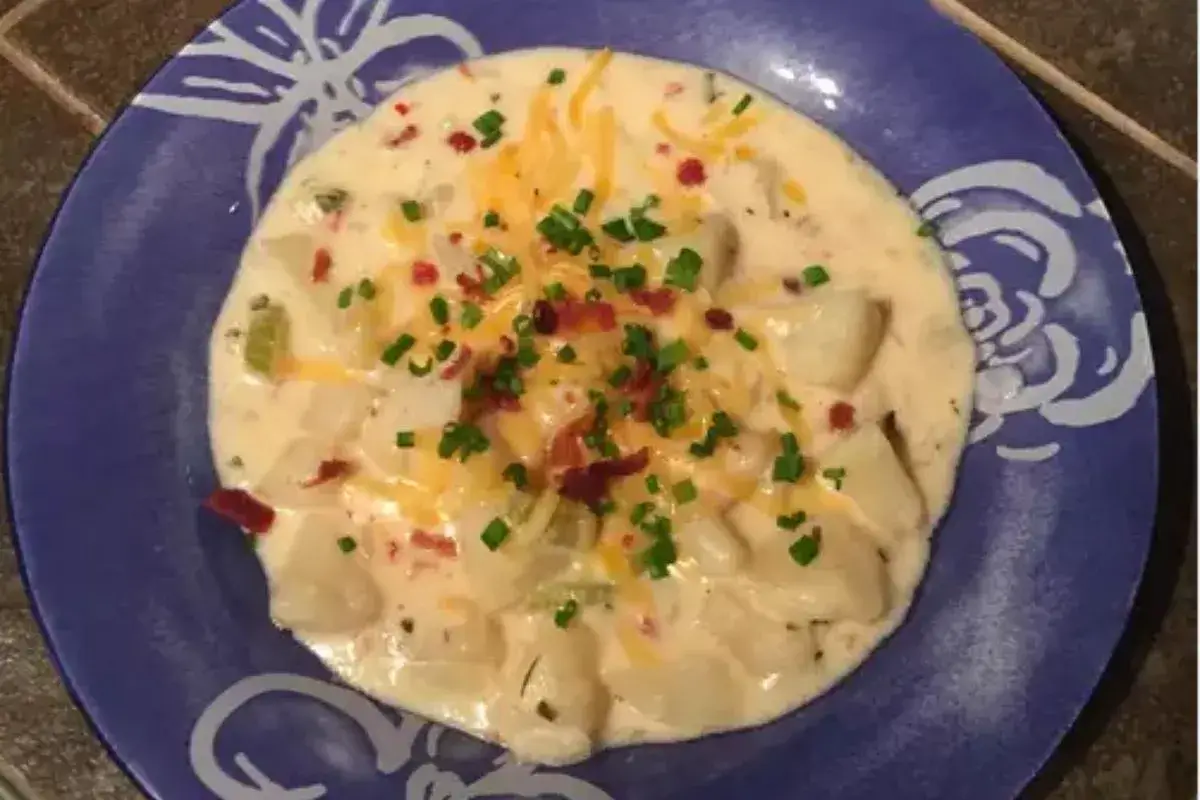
(157, 613)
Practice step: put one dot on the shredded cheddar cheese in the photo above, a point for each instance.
(586, 85)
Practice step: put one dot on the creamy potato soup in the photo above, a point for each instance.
(575, 399)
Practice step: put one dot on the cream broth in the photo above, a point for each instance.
(777, 433)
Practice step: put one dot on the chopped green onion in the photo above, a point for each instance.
(606, 507)
(684, 492)
(658, 557)
(618, 229)
(580, 238)
(490, 139)
(926, 229)
(627, 278)
(527, 356)
(815, 275)
(345, 297)
(472, 315)
(639, 342)
(516, 474)
(723, 425)
(834, 475)
(406, 439)
(652, 484)
(700, 363)
(462, 438)
(444, 350)
(747, 341)
(366, 289)
(786, 400)
(742, 105)
(556, 76)
(620, 376)
(583, 201)
(420, 371)
(488, 122)
(396, 350)
(600, 271)
(494, 534)
(640, 512)
(268, 339)
(790, 522)
(790, 465)
(624, 407)
(411, 210)
(440, 309)
(491, 220)
(347, 544)
(522, 325)
(566, 354)
(668, 411)
(672, 355)
(565, 613)
(647, 230)
(556, 291)
(684, 269)
(806, 549)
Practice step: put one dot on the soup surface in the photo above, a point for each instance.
(576, 398)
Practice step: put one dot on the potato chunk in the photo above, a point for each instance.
(691, 693)
(874, 478)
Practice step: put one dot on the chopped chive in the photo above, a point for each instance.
(789, 443)
(565, 613)
(444, 350)
(556, 291)
(396, 350)
(815, 275)
(491, 220)
(620, 376)
(672, 355)
(747, 341)
(420, 371)
(556, 76)
(834, 475)
(406, 439)
(345, 298)
(472, 315)
(605, 508)
(788, 467)
(580, 238)
(639, 342)
(652, 485)
(640, 512)
(600, 271)
(516, 474)
(926, 229)
(488, 123)
(684, 269)
(786, 400)
(522, 325)
(494, 534)
(366, 289)
(658, 557)
(742, 105)
(566, 354)
(411, 210)
(347, 544)
(647, 230)
(618, 229)
(628, 278)
(624, 407)
(723, 425)
(583, 201)
(684, 491)
(440, 309)
(700, 363)
(490, 139)
(805, 549)
(527, 356)
(790, 522)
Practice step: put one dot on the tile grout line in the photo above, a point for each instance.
(32, 69)
(1064, 83)
(19, 12)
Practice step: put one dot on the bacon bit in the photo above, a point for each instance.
(642, 388)
(455, 237)
(465, 71)
(792, 285)
(322, 263)
(455, 367)
(442, 545)
(461, 142)
(393, 549)
(508, 345)
(585, 317)
(673, 89)
(329, 470)
(663, 149)
(471, 287)
(841, 416)
(241, 508)
(691, 172)
(335, 219)
(628, 541)
(424, 273)
(718, 319)
(545, 318)
(589, 485)
(659, 301)
(402, 108)
(566, 449)
(648, 627)
(405, 136)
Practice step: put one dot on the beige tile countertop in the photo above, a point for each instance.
(1119, 77)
